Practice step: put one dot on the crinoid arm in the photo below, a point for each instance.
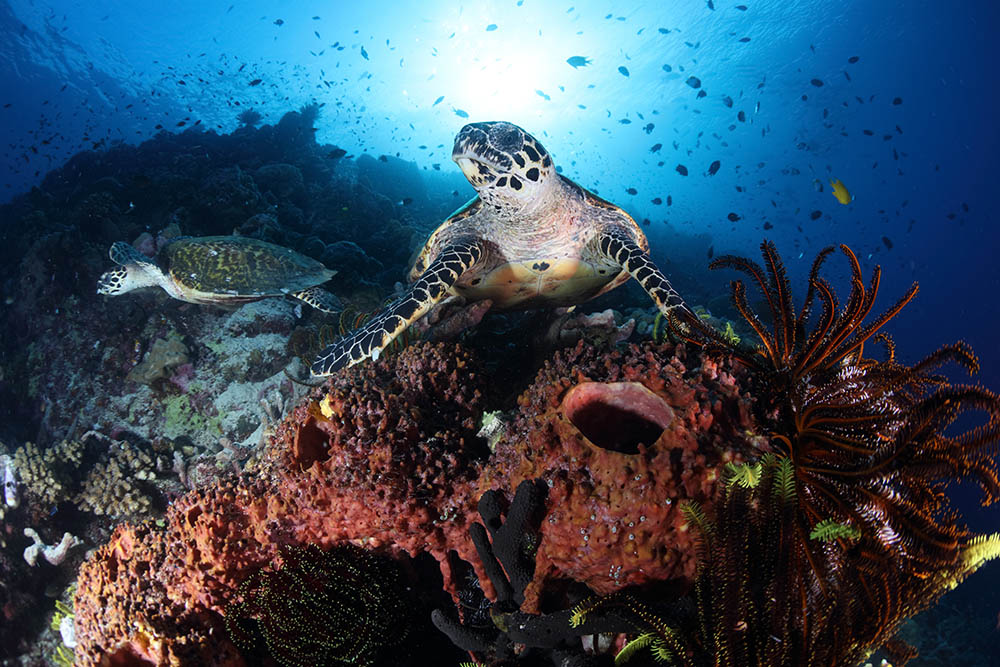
(381, 330)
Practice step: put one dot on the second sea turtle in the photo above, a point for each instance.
(222, 271)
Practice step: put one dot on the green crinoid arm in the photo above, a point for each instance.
(379, 332)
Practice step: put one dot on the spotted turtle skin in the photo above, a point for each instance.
(531, 238)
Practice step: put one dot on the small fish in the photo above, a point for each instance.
(840, 192)
(768, 225)
(336, 153)
(887, 241)
(542, 94)
(256, 82)
(670, 200)
(383, 158)
(656, 148)
(713, 168)
(656, 201)
(711, 251)
(742, 8)
(436, 166)
(491, 27)
(728, 101)
(625, 121)
(364, 54)
(438, 101)
(664, 31)
(279, 22)
(632, 191)
(701, 94)
(578, 61)
(461, 113)
(694, 82)
(897, 101)
(742, 117)
(623, 70)
(668, 68)
(744, 39)
(406, 201)
(817, 82)
(733, 217)
(682, 170)
(816, 215)
(853, 59)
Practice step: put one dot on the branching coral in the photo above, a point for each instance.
(113, 487)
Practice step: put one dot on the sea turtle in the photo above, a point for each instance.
(220, 270)
(532, 238)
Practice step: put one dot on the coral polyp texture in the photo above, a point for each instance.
(387, 456)
(382, 456)
(622, 438)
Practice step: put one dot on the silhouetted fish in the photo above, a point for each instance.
(491, 27)
(714, 168)
(578, 61)
(438, 101)
(694, 82)
(682, 170)
(623, 70)
(461, 113)
(733, 217)
(656, 148)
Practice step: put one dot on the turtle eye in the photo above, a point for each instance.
(506, 138)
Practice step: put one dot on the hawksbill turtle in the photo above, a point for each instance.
(532, 238)
(222, 271)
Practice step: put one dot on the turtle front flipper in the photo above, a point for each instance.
(379, 332)
(321, 300)
(626, 253)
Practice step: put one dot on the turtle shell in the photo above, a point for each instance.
(236, 266)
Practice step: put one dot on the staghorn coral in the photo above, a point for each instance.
(621, 437)
(337, 607)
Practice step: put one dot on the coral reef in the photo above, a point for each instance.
(383, 456)
(622, 438)
(387, 455)
(163, 356)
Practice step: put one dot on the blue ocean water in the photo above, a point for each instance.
(637, 101)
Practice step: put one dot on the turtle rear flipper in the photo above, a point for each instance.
(321, 300)
(627, 254)
(379, 332)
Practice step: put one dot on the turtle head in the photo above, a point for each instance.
(115, 281)
(506, 165)
(135, 270)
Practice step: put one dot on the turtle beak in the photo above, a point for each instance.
(468, 166)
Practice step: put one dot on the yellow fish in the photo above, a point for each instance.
(840, 192)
